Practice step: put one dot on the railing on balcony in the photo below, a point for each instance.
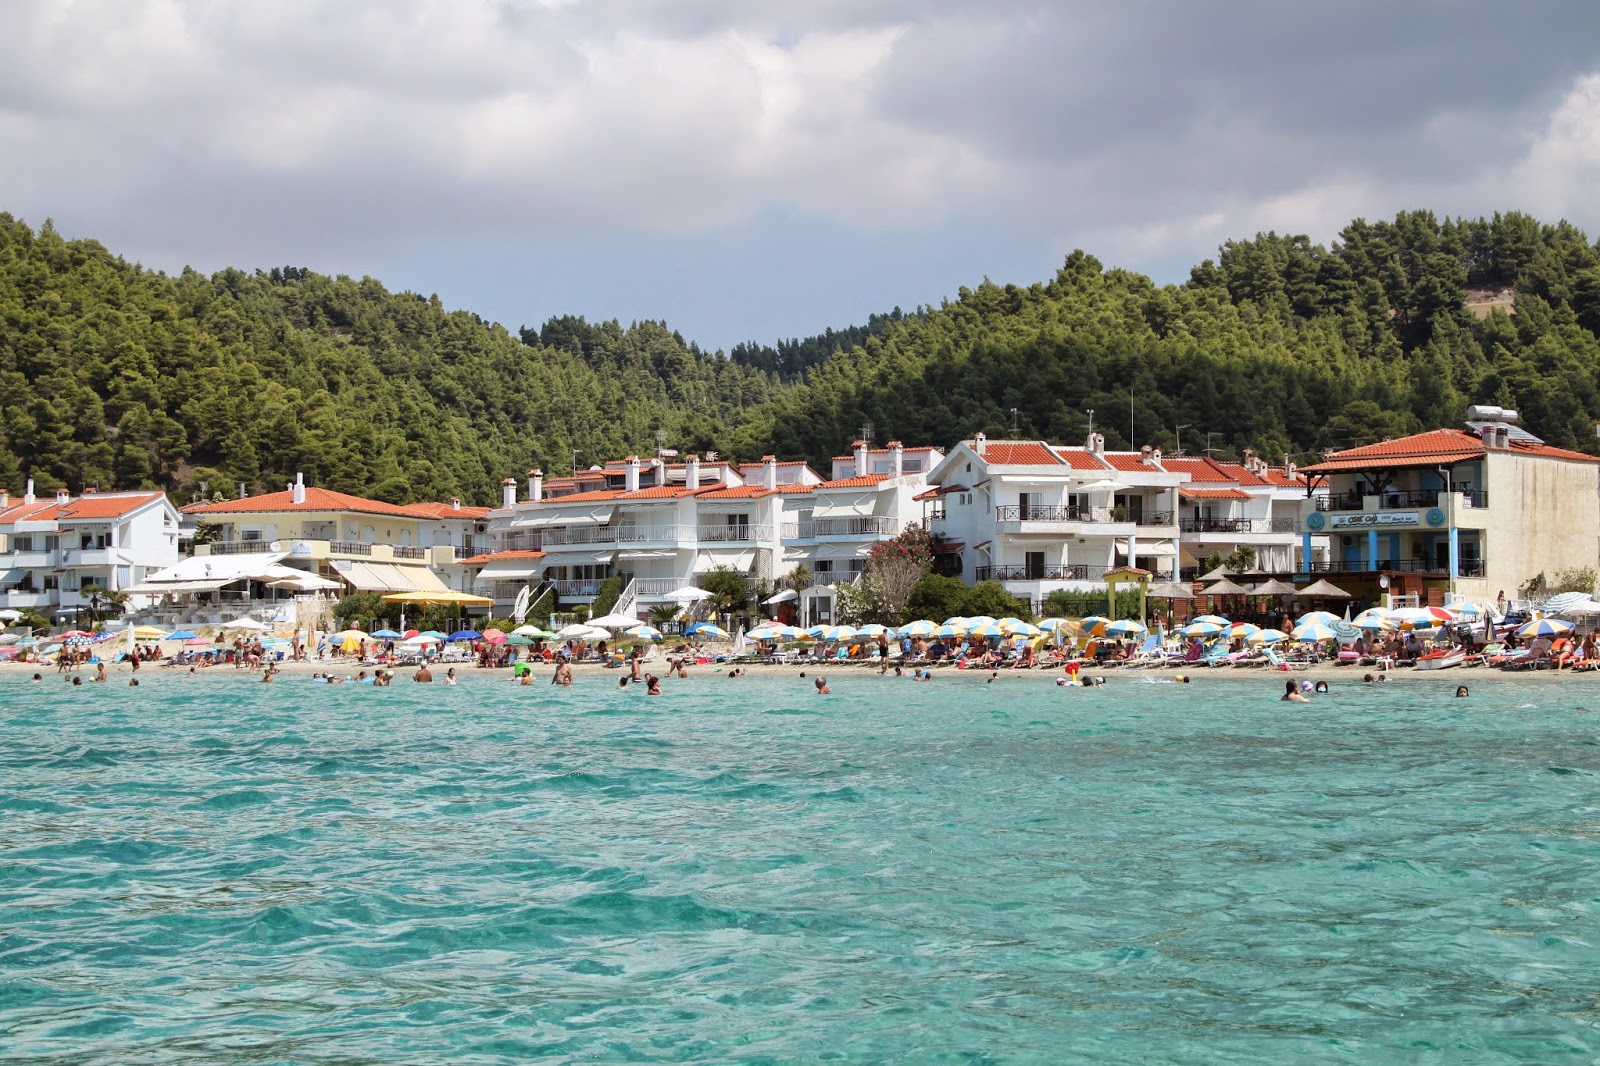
(1397, 499)
(1465, 567)
(1072, 572)
(1154, 518)
(523, 542)
(240, 547)
(349, 547)
(865, 526)
(617, 534)
(658, 586)
(723, 534)
(1038, 512)
(1238, 525)
(576, 587)
(402, 551)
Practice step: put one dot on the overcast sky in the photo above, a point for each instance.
(751, 170)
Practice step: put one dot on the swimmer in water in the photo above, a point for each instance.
(38, 677)
(1182, 679)
(1321, 687)
(563, 674)
(652, 685)
(822, 686)
(1291, 693)
(622, 682)
(1461, 692)
(423, 673)
(133, 682)
(450, 676)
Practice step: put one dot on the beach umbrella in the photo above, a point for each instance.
(1215, 619)
(1094, 624)
(1313, 631)
(950, 631)
(987, 630)
(1225, 588)
(9, 615)
(498, 638)
(643, 633)
(28, 642)
(1203, 628)
(182, 634)
(614, 621)
(247, 624)
(1242, 629)
(922, 627)
(192, 641)
(350, 634)
(981, 620)
(149, 633)
(688, 594)
(493, 634)
(873, 630)
(1544, 627)
(709, 631)
(573, 631)
(1026, 629)
(1326, 618)
(464, 634)
(957, 620)
(411, 633)
(1051, 625)
(1421, 617)
(1125, 627)
(424, 638)
(1267, 636)
(519, 639)
(1324, 589)
(434, 633)
(791, 633)
(386, 634)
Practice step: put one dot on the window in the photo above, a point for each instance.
(22, 542)
(911, 466)
(250, 535)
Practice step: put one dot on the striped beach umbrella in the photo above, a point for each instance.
(873, 630)
(1215, 619)
(1326, 618)
(989, 630)
(1544, 627)
(1242, 629)
(1267, 636)
(1313, 631)
(1125, 627)
(1203, 628)
(920, 628)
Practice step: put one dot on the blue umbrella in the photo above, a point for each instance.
(182, 634)
(465, 634)
(386, 634)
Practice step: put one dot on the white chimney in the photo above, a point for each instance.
(1096, 444)
(455, 503)
(63, 497)
(980, 443)
(536, 485)
(630, 477)
(28, 496)
(299, 488)
(769, 473)
(242, 492)
(508, 493)
(897, 458)
(691, 470)
(862, 459)
(658, 471)
(5, 499)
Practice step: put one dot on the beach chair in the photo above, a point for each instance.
(1217, 655)
(1149, 654)
(1280, 662)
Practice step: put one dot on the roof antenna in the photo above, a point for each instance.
(866, 433)
(1015, 435)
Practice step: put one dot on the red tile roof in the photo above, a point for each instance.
(496, 557)
(444, 510)
(865, 481)
(1550, 452)
(1020, 453)
(1080, 458)
(316, 500)
(1419, 449)
(1212, 494)
(1203, 468)
(37, 511)
(106, 505)
(1129, 461)
(939, 490)
(736, 492)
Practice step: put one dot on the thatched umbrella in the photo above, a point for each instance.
(1323, 589)
(1274, 587)
(1225, 588)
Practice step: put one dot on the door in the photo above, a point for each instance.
(1024, 503)
(1033, 565)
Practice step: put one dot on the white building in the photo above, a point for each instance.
(1038, 517)
(660, 526)
(53, 548)
(1228, 506)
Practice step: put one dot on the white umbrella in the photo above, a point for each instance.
(8, 615)
(246, 623)
(783, 597)
(577, 629)
(614, 621)
(303, 583)
(687, 594)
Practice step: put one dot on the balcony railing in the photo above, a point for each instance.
(865, 526)
(1397, 499)
(525, 542)
(1072, 572)
(1465, 567)
(937, 514)
(576, 587)
(403, 552)
(1038, 512)
(617, 534)
(1238, 525)
(658, 586)
(349, 547)
(724, 534)
(1154, 518)
(240, 547)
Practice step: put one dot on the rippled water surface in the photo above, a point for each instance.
(213, 870)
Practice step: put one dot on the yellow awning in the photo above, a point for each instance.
(466, 599)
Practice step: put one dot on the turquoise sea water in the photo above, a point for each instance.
(210, 870)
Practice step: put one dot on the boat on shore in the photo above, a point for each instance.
(1442, 659)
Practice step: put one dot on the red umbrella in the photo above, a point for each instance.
(411, 633)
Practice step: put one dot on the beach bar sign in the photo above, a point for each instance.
(1373, 520)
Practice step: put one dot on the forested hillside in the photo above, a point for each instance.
(112, 375)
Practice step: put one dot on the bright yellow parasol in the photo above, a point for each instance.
(465, 599)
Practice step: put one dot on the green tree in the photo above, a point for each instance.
(729, 588)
